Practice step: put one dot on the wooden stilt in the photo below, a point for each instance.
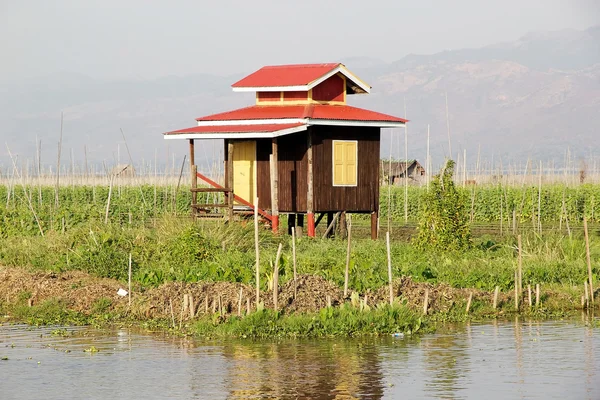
(274, 187)
(310, 212)
(374, 219)
(229, 176)
(194, 179)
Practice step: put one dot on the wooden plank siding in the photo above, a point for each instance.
(263, 173)
(293, 164)
(364, 197)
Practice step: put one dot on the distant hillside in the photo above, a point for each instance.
(530, 98)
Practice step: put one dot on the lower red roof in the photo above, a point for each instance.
(314, 111)
(241, 129)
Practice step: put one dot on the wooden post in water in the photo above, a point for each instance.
(587, 256)
(496, 296)
(587, 294)
(529, 295)
(346, 272)
(276, 278)
(537, 294)
(389, 260)
(257, 251)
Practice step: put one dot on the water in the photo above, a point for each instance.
(504, 360)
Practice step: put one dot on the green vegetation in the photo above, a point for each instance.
(340, 321)
(444, 222)
(152, 225)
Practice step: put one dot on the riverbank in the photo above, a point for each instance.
(229, 309)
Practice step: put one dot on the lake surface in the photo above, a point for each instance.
(502, 360)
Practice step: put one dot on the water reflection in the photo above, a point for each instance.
(510, 359)
(300, 369)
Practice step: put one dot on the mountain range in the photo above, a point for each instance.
(532, 98)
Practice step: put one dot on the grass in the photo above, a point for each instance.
(167, 248)
(340, 321)
(176, 250)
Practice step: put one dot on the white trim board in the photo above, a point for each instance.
(238, 135)
(253, 122)
(309, 121)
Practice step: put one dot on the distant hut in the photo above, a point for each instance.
(410, 169)
(300, 149)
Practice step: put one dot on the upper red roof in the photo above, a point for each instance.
(286, 75)
(314, 111)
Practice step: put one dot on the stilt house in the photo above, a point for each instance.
(300, 149)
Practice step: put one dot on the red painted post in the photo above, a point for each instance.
(311, 224)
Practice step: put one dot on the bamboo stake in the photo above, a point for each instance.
(587, 256)
(58, 161)
(516, 291)
(537, 294)
(108, 200)
(172, 314)
(496, 296)
(448, 127)
(426, 301)
(469, 302)
(276, 278)
(389, 183)
(587, 294)
(406, 170)
(428, 161)
(129, 281)
(389, 260)
(257, 251)
(529, 295)
(520, 277)
(192, 306)
(348, 256)
(247, 305)
(294, 261)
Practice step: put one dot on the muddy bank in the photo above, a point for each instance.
(82, 292)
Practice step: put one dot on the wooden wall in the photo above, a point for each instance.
(365, 196)
(332, 89)
(292, 169)
(293, 165)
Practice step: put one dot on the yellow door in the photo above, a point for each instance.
(244, 170)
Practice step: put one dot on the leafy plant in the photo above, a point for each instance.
(444, 221)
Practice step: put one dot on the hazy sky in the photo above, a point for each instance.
(147, 39)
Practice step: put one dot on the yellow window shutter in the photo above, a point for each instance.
(338, 163)
(350, 163)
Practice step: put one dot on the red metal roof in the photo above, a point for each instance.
(314, 111)
(286, 75)
(258, 128)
